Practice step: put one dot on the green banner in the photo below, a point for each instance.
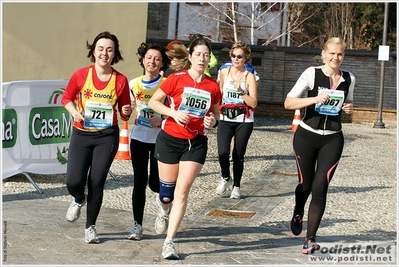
(9, 123)
(49, 125)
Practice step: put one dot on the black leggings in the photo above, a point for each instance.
(90, 156)
(141, 153)
(241, 133)
(317, 158)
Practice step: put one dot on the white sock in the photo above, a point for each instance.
(165, 212)
(168, 240)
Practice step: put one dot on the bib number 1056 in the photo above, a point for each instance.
(196, 101)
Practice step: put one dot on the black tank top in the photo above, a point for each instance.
(315, 119)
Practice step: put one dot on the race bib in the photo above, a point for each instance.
(196, 101)
(98, 115)
(231, 95)
(144, 113)
(333, 105)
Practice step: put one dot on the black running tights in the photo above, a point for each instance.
(141, 153)
(90, 156)
(241, 133)
(317, 158)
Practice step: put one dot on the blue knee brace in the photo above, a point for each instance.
(166, 190)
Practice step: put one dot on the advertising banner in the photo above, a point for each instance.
(36, 128)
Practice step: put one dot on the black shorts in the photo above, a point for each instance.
(171, 150)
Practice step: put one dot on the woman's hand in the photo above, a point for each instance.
(320, 99)
(155, 121)
(181, 117)
(209, 121)
(77, 116)
(127, 110)
(348, 107)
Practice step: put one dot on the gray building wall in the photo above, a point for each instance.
(158, 20)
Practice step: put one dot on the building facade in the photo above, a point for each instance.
(47, 41)
(180, 20)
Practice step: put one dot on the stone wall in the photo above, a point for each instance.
(360, 115)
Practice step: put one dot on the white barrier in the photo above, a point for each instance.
(36, 128)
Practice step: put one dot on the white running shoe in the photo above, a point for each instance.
(223, 185)
(161, 223)
(162, 220)
(235, 193)
(91, 236)
(73, 212)
(136, 233)
(169, 251)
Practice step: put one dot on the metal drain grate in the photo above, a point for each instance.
(232, 213)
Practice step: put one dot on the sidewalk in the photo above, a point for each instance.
(256, 231)
(39, 234)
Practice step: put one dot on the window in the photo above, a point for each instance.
(274, 6)
(261, 41)
(228, 39)
(229, 11)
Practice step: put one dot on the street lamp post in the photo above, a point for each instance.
(379, 123)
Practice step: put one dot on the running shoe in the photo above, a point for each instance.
(136, 233)
(310, 245)
(73, 212)
(169, 251)
(91, 236)
(162, 221)
(296, 223)
(235, 193)
(224, 183)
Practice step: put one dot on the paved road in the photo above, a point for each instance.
(35, 231)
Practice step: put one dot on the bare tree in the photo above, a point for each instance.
(299, 15)
(273, 21)
(339, 20)
(334, 19)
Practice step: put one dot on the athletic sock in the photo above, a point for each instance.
(165, 212)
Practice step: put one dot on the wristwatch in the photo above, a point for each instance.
(242, 93)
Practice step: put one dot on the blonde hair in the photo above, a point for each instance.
(180, 52)
(244, 47)
(332, 40)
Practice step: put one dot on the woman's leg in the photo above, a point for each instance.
(243, 132)
(106, 147)
(327, 162)
(305, 145)
(139, 154)
(154, 173)
(79, 160)
(187, 172)
(225, 134)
